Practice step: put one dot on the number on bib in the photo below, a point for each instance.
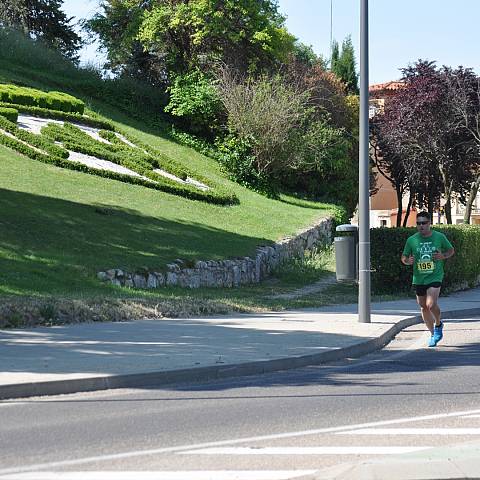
(425, 267)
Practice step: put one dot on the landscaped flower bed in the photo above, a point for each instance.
(94, 146)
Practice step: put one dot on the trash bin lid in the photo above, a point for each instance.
(347, 228)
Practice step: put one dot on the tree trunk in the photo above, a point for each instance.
(471, 198)
(430, 206)
(399, 205)
(447, 192)
(448, 211)
(448, 203)
(409, 206)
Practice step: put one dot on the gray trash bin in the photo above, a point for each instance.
(346, 253)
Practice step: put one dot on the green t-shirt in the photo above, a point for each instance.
(425, 268)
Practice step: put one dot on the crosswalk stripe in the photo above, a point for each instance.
(184, 475)
(349, 450)
(412, 431)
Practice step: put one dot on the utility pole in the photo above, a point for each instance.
(364, 176)
(331, 29)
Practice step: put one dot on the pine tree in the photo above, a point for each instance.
(343, 65)
(335, 55)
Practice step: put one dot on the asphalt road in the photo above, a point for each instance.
(405, 398)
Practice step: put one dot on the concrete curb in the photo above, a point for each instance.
(200, 374)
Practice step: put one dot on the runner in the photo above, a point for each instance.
(427, 250)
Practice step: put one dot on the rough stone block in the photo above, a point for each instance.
(110, 274)
(139, 281)
(172, 279)
(160, 279)
(152, 281)
(102, 276)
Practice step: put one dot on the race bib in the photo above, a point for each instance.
(426, 267)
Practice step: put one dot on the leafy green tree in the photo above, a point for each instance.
(305, 54)
(44, 21)
(343, 64)
(244, 34)
(181, 35)
(117, 29)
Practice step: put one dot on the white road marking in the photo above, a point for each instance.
(413, 431)
(185, 475)
(11, 404)
(159, 451)
(471, 416)
(355, 450)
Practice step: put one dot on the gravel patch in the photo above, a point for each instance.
(95, 162)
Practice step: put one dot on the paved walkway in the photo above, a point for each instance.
(95, 356)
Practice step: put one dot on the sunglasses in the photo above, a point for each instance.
(422, 223)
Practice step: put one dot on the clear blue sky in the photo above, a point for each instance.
(400, 31)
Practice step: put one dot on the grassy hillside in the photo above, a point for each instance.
(59, 227)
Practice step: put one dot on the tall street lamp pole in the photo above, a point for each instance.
(364, 177)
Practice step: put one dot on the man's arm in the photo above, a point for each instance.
(407, 260)
(444, 255)
(407, 257)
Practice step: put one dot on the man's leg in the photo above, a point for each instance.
(432, 303)
(427, 315)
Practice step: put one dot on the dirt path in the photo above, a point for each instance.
(308, 289)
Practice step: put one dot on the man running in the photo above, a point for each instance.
(427, 250)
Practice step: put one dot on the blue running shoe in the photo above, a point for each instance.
(432, 342)
(438, 332)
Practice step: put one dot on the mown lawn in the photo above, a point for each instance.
(59, 227)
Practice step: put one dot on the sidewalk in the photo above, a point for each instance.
(96, 356)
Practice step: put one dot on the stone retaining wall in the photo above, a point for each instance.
(225, 273)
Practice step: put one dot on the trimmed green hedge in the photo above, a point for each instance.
(9, 113)
(168, 186)
(58, 115)
(38, 141)
(36, 98)
(73, 138)
(389, 275)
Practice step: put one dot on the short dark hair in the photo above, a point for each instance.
(424, 215)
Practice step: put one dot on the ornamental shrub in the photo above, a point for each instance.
(31, 97)
(91, 120)
(218, 195)
(195, 102)
(9, 113)
(389, 275)
(237, 159)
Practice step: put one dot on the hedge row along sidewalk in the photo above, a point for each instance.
(152, 166)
